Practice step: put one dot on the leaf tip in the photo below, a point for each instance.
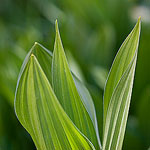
(56, 22)
(32, 56)
(56, 26)
(57, 36)
(36, 43)
(139, 24)
(139, 20)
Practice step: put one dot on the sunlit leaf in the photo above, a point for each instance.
(41, 114)
(118, 91)
(68, 95)
(44, 57)
(87, 101)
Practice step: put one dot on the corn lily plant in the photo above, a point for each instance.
(56, 108)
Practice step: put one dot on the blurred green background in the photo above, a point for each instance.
(92, 32)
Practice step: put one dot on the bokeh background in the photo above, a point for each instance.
(92, 32)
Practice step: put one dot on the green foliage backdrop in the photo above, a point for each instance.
(92, 32)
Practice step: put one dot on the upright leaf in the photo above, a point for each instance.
(118, 91)
(44, 58)
(40, 112)
(68, 95)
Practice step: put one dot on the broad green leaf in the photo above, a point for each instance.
(41, 114)
(68, 95)
(118, 91)
(39, 51)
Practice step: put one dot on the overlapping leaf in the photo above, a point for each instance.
(88, 103)
(41, 114)
(63, 116)
(67, 93)
(31, 108)
(44, 57)
(118, 91)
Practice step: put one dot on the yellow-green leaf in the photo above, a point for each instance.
(41, 114)
(118, 91)
(44, 57)
(68, 95)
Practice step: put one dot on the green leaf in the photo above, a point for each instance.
(118, 91)
(44, 57)
(41, 114)
(68, 95)
(88, 102)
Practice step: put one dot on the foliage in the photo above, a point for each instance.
(92, 32)
(58, 111)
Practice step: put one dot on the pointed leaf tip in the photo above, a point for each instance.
(58, 43)
(35, 43)
(139, 20)
(32, 55)
(139, 23)
(56, 26)
(56, 22)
